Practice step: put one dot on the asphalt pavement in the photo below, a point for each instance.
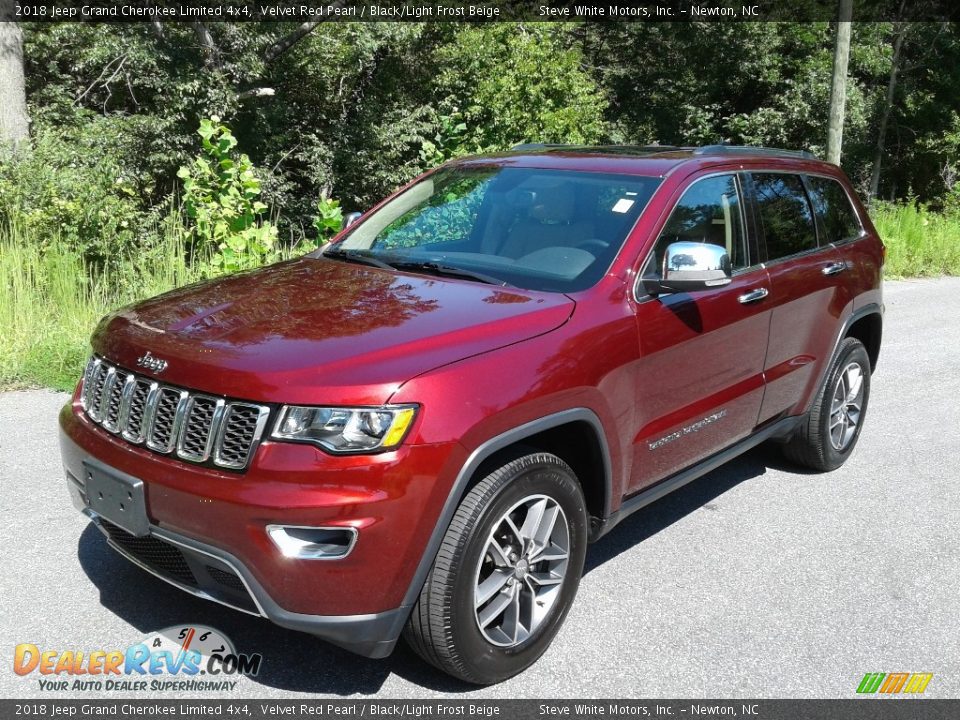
(757, 580)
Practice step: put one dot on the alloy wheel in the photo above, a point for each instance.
(846, 406)
(521, 571)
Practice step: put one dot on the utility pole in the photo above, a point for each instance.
(838, 89)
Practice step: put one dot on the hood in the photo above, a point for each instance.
(318, 331)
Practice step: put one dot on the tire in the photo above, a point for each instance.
(445, 627)
(829, 432)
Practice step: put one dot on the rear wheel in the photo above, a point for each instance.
(829, 432)
(506, 574)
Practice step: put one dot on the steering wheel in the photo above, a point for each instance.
(593, 244)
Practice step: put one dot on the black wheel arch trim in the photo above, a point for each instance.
(858, 314)
(486, 450)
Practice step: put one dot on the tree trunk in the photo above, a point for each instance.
(14, 123)
(887, 108)
(838, 89)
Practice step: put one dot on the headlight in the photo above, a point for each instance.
(345, 430)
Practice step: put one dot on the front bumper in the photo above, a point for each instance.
(207, 529)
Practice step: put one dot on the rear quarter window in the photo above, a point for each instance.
(831, 203)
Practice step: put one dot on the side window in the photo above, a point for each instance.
(785, 214)
(708, 212)
(836, 215)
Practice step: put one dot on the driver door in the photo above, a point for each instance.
(702, 353)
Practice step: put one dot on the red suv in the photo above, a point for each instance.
(418, 429)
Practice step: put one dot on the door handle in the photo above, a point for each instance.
(753, 296)
(834, 268)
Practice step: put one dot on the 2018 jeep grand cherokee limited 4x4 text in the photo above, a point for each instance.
(418, 429)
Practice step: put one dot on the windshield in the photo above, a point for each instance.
(537, 229)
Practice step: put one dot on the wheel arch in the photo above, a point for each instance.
(867, 322)
(868, 329)
(546, 434)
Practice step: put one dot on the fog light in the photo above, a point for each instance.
(313, 543)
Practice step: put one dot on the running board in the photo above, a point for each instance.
(780, 429)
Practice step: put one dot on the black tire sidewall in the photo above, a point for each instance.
(488, 662)
(854, 351)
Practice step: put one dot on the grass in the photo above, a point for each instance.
(51, 300)
(920, 243)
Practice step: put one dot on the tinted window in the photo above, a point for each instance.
(784, 214)
(833, 208)
(708, 212)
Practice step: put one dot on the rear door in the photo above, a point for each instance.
(806, 290)
(701, 353)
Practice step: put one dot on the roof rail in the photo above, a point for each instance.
(596, 148)
(539, 146)
(748, 150)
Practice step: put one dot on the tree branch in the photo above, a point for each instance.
(257, 92)
(206, 42)
(288, 41)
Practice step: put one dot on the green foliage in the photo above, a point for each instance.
(919, 242)
(71, 187)
(51, 297)
(90, 215)
(519, 82)
(220, 191)
(448, 142)
(329, 219)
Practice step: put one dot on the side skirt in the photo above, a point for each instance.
(781, 429)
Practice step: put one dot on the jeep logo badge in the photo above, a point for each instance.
(151, 362)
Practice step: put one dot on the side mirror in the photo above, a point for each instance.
(691, 266)
(350, 218)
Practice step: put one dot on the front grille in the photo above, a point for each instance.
(159, 556)
(196, 427)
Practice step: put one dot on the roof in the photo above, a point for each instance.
(655, 160)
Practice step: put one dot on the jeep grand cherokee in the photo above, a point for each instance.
(417, 430)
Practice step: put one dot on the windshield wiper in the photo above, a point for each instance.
(356, 257)
(450, 271)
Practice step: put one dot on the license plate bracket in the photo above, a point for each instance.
(118, 498)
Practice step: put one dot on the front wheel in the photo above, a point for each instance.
(506, 573)
(829, 432)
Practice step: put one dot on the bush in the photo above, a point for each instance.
(329, 219)
(71, 188)
(220, 191)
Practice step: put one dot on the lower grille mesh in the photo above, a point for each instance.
(161, 557)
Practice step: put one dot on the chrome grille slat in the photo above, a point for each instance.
(197, 427)
(133, 425)
(168, 415)
(200, 426)
(95, 393)
(113, 406)
(242, 425)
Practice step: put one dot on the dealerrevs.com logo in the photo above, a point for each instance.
(179, 658)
